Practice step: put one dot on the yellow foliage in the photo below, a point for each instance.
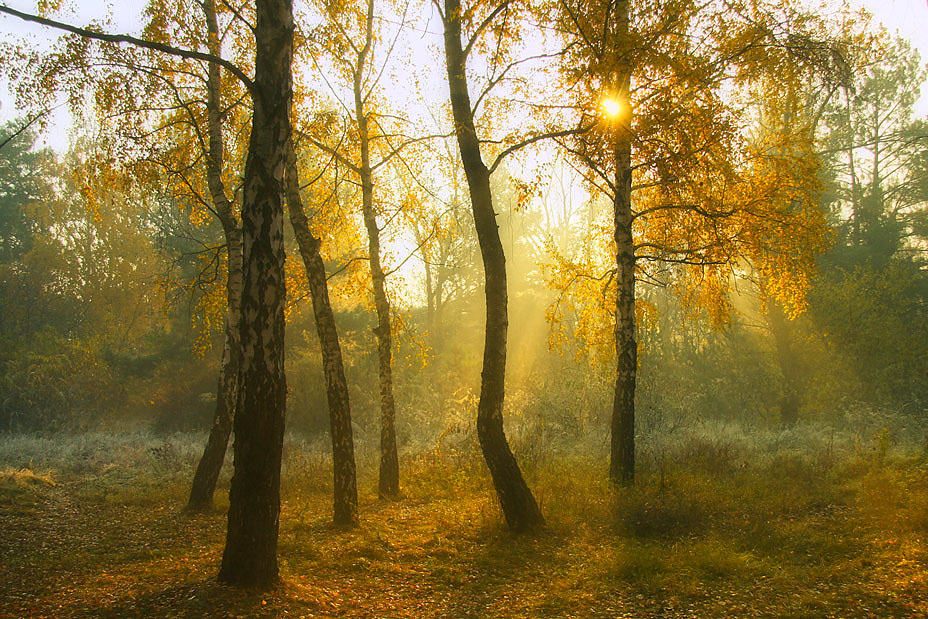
(26, 477)
(712, 201)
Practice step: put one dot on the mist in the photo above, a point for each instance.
(463, 310)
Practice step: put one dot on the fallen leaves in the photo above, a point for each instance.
(443, 552)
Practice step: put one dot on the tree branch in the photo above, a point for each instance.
(25, 126)
(580, 129)
(483, 25)
(123, 38)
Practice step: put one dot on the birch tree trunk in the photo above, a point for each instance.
(389, 478)
(622, 455)
(518, 504)
(210, 465)
(345, 487)
(250, 556)
(622, 452)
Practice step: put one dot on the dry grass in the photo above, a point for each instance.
(24, 477)
(702, 536)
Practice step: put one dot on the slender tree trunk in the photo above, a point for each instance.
(518, 504)
(250, 557)
(344, 471)
(622, 460)
(786, 359)
(210, 465)
(429, 294)
(854, 193)
(622, 454)
(389, 481)
(438, 302)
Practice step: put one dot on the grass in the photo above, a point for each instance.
(707, 532)
(24, 477)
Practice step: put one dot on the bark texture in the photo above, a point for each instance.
(250, 556)
(518, 504)
(345, 487)
(622, 452)
(389, 479)
(210, 465)
(622, 455)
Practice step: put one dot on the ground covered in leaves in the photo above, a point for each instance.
(712, 532)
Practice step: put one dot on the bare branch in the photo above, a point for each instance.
(537, 138)
(124, 38)
(19, 131)
(483, 25)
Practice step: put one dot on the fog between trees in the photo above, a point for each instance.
(620, 228)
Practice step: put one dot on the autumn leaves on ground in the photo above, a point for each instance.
(720, 529)
(490, 308)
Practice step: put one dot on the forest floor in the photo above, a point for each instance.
(714, 532)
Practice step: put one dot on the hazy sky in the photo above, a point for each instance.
(907, 17)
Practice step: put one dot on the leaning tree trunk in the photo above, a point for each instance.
(389, 481)
(518, 504)
(336, 387)
(622, 452)
(210, 465)
(250, 557)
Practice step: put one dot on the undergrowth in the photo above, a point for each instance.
(715, 526)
